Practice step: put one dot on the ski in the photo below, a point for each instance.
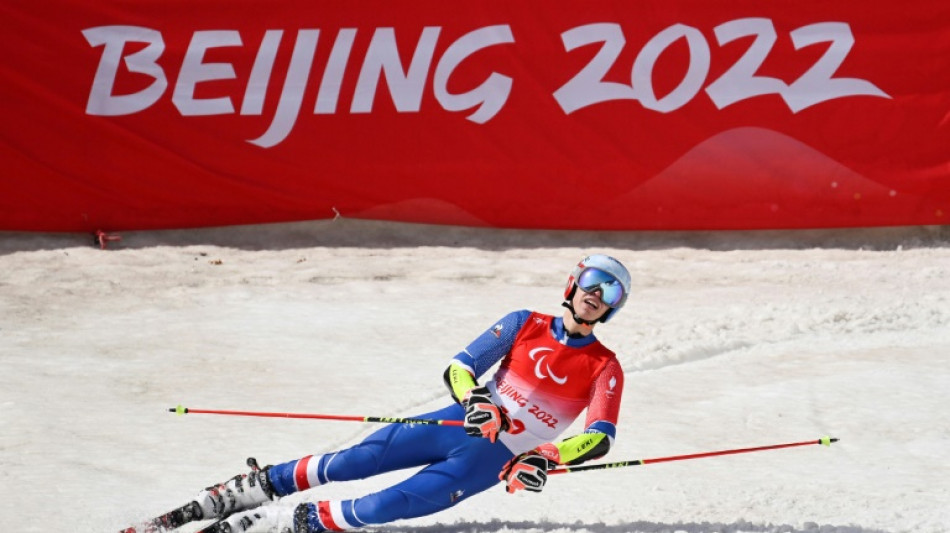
(170, 520)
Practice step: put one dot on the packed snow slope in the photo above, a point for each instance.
(729, 340)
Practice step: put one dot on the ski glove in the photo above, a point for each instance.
(482, 417)
(528, 471)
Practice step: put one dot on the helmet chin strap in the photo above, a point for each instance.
(579, 320)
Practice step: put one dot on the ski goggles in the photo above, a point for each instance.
(611, 290)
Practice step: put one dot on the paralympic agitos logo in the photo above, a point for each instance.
(406, 83)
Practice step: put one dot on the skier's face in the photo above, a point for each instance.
(588, 305)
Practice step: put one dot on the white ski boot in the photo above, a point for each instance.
(240, 493)
(267, 518)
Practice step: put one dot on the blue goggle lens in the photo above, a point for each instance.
(611, 291)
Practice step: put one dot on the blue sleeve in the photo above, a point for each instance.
(493, 344)
(602, 426)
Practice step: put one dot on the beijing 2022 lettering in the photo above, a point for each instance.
(407, 84)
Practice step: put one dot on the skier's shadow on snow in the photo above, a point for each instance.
(628, 527)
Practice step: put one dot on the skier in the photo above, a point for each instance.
(552, 368)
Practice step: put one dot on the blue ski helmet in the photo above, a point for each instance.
(600, 272)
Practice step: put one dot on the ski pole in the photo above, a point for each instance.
(381, 419)
(825, 441)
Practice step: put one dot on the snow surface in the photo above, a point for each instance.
(730, 340)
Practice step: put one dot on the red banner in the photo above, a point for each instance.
(615, 115)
